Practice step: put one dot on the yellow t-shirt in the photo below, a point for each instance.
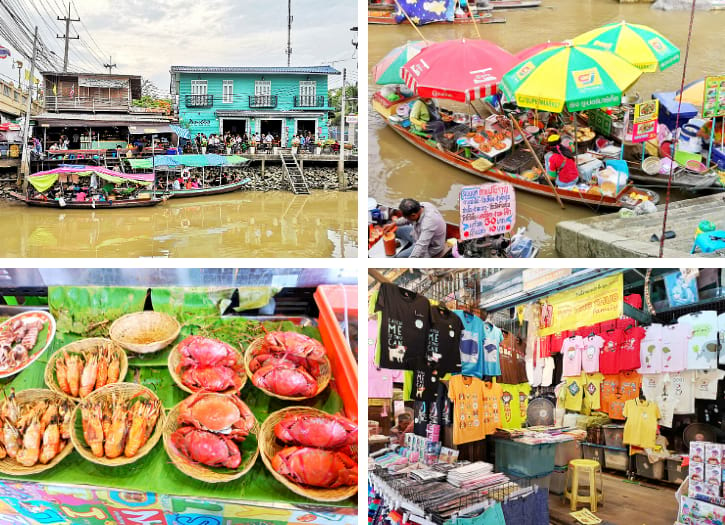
(509, 409)
(491, 411)
(467, 395)
(592, 397)
(523, 400)
(574, 392)
(640, 429)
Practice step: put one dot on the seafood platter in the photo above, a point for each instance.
(220, 402)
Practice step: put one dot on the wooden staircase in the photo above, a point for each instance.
(294, 174)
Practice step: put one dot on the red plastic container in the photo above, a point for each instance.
(333, 300)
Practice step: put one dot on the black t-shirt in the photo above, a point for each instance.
(441, 409)
(444, 340)
(424, 384)
(404, 327)
(420, 417)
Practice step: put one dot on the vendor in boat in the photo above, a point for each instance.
(422, 226)
(424, 116)
(560, 163)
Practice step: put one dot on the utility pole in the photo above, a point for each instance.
(67, 37)
(341, 162)
(110, 65)
(289, 32)
(25, 162)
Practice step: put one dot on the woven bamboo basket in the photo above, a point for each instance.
(269, 446)
(78, 347)
(175, 359)
(145, 332)
(122, 391)
(322, 380)
(202, 472)
(13, 468)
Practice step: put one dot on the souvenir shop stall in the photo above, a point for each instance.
(172, 396)
(490, 383)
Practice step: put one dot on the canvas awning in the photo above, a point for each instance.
(44, 180)
(149, 130)
(181, 132)
(190, 161)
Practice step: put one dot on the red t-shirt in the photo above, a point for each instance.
(634, 300)
(555, 340)
(564, 167)
(607, 325)
(545, 346)
(586, 331)
(609, 354)
(629, 348)
(626, 322)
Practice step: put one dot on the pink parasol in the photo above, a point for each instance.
(531, 51)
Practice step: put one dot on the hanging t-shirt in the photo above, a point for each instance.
(592, 392)
(609, 387)
(650, 350)
(706, 383)
(675, 342)
(441, 409)
(681, 387)
(420, 417)
(609, 354)
(419, 384)
(616, 406)
(571, 350)
(534, 372)
(591, 346)
(380, 380)
(702, 347)
(509, 409)
(491, 408)
(556, 340)
(640, 429)
(492, 338)
(471, 344)
(667, 403)
(721, 336)
(547, 373)
(404, 326)
(444, 341)
(574, 392)
(629, 384)
(545, 346)
(630, 347)
(653, 386)
(512, 350)
(605, 326)
(624, 323)
(466, 393)
(523, 401)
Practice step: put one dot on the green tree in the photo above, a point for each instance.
(351, 102)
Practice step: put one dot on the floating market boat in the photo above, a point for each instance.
(385, 15)
(210, 190)
(87, 205)
(513, 4)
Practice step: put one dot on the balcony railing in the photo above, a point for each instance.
(59, 104)
(199, 101)
(310, 101)
(263, 101)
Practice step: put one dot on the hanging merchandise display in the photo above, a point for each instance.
(404, 326)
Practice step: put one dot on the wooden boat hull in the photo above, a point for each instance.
(514, 4)
(217, 190)
(114, 205)
(378, 18)
(497, 175)
(682, 181)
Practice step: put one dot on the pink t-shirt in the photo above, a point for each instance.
(571, 350)
(380, 380)
(590, 353)
(675, 341)
(650, 350)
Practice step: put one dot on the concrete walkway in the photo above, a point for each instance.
(613, 236)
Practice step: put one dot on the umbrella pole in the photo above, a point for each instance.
(411, 22)
(473, 19)
(538, 162)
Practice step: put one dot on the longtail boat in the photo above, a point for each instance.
(87, 205)
(385, 15)
(211, 190)
(627, 197)
(513, 4)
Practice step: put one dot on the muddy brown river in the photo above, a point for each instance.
(397, 169)
(241, 224)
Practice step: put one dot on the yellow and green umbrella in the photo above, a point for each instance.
(641, 45)
(579, 77)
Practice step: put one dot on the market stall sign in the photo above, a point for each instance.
(713, 101)
(536, 277)
(584, 305)
(487, 209)
(645, 121)
(105, 83)
(351, 119)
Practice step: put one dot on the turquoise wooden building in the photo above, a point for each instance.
(284, 101)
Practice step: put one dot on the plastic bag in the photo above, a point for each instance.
(610, 180)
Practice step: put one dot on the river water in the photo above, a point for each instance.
(397, 169)
(240, 224)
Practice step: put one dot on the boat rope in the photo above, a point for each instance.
(677, 126)
(411, 22)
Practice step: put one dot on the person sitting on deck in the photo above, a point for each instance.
(425, 117)
(560, 163)
(54, 147)
(423, 226)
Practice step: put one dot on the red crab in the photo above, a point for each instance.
(316, 431)
(202, 351)
(291, 382)
(207, 448)
(214, 379)
(299, 348)
(315, 467)
(264, 359)
(221, 413)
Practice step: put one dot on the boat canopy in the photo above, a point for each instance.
(190, 161)
(44, 180)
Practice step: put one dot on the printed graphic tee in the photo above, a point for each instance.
(571, 350)
(492, 338)
(640, 428)
(629, 349)
(653, 386)
(592, 392)
(706, 383)
(574, 392)
(610, 386)
(509, 409)
(681, 387)
(491, 409)
(675, 343)
(591, 346)
(650, 350)
(523, 401)
(466, 393)
(444, 341)
(702, 346)
(471, 343)
(404, 327)
(609, 354)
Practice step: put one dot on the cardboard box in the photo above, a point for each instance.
(713, 475)
(713, 453)
(697, 452)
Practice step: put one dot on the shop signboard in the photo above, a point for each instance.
(681, 291)
(487, 209)
(713, 100)
(535, 277)
(584, 305)
(351, 119)
(645, 121)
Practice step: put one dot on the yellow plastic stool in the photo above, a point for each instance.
(579, 467)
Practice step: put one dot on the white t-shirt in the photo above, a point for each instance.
(675, 342)
(681, 387)
(706, 383)
(534, 373)
(547, 374)
(702, 347)
(650, 350)
(721, 336)
(653, 386)
(666, 403)
(590, 353)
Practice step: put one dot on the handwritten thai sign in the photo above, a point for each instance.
(645, 121)
(487, 209)
(713, 101)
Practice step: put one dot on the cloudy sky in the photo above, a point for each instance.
(146, 37)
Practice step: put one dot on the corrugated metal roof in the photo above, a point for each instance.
(320, 70)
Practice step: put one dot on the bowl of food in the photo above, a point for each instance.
(23, 339)
(145, 332)
(202, 363)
